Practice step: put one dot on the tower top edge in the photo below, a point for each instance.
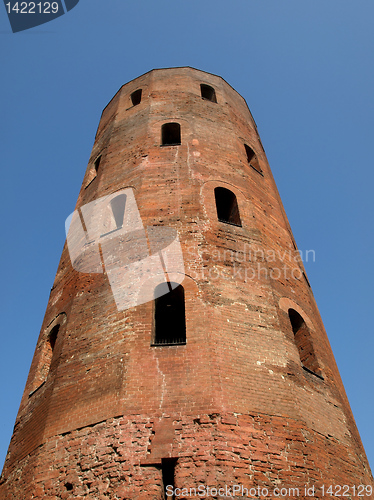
(177, 68)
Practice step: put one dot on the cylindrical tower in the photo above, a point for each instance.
(208, 371)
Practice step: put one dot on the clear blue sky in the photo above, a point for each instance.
(305, 68)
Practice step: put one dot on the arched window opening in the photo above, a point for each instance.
(48, 351)
(169, 315)
(227, 206)
(136, 97)
(118, 205)
(252, 159)
(97, 163)
(303, 343)
(52, 337)
(208, 92)
(171, 134)
(46, 358)
(115, 214)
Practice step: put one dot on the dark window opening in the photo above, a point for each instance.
(46, 359)
(208, 92)
(118, 205)
(49, 349)
(227, 206)
(169, 314)
(68, 486)
(136, 97)
(303, 343)
(296, 320)
(97, 163)
(171, 134)
(168, 472)
(53, 336)
(252, 159)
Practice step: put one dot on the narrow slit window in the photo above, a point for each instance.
(303, 343)
(208, 92)
(168, 473)
(53, 336)
(97, 163)
(48, 350)
(136, 97)
(118, 205)
(171, 134)
(252, 159)
(169, 314)
(114, 214)
(227, 206)
(45, 360)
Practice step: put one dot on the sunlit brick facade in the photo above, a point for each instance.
(253, 396)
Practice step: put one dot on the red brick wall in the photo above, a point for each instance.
(234, 403)
(116, 459)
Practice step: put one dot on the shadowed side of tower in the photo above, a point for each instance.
(227, 379)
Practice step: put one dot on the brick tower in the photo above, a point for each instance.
(227, 379)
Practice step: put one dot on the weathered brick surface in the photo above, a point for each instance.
(112, 459)
(233, 405)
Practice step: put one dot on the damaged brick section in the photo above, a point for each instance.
(113, 460)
